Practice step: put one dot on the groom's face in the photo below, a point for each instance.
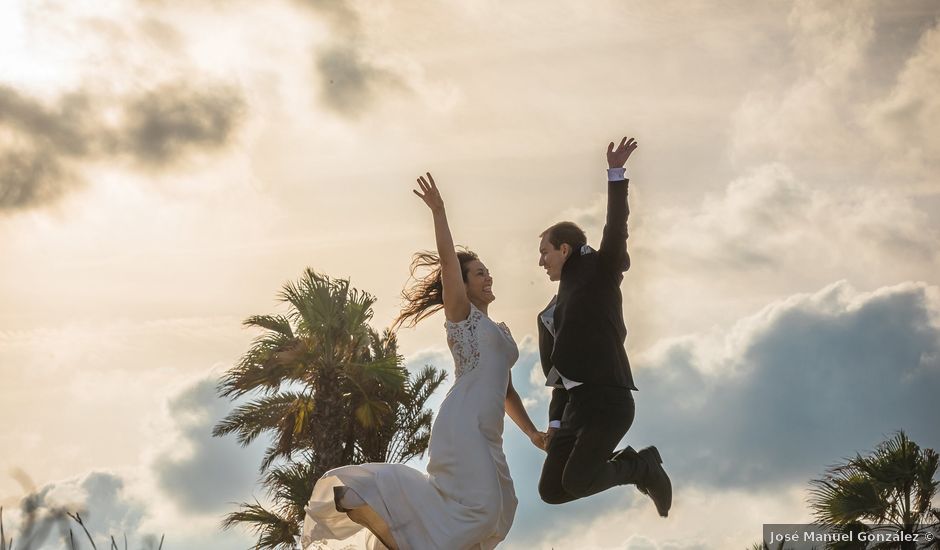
(552, 259)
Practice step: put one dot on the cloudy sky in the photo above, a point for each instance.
(165, 167)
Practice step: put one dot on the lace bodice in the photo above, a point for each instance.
(463, 339)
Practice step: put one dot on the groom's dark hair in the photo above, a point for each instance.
(565, 232)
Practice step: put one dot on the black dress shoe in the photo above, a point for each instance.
(656, 483)
(621, 454)
(624, 454)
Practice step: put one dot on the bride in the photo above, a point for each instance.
(466, 499)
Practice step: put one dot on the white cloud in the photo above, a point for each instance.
(841, 111)
(699, 520)
(771, 220)
(187, 481)
(809, 116)
(99, 498)
(202, 474)
(794, 387)
(906, 121)
(87, 394)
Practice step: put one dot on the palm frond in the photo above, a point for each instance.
(413, 432)
(277, 324)
(892, 485)
(278, 413)
(270, 362)
(290, 486)
(372, 412)
(322, 304)
(385, 371)
(274, 532)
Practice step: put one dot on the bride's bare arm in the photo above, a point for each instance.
(456, 303)
(516, 411)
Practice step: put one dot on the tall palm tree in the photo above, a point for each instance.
(893, 486)
(329, 390)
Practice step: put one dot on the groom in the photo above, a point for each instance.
(581, 338)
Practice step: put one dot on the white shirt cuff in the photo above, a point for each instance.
(616, 174)
(554, 424)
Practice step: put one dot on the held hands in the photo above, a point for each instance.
(617, 158)
(548, 436)
(539, 439)
(429, 193)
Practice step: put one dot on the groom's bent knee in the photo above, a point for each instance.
(553, 493)
(555, 498)
(577, 484)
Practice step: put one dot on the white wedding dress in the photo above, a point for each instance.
(466, 499)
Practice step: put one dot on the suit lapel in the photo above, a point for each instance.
(548, 307)
(546, 340)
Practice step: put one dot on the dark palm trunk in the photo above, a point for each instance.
(328, 420)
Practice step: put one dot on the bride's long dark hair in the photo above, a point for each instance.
(425, 296)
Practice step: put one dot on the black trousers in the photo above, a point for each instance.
(578, 462)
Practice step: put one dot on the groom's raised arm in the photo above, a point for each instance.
(613, 250)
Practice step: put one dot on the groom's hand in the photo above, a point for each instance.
(617, 158)
(549, 435)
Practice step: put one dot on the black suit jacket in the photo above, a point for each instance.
(588, 345)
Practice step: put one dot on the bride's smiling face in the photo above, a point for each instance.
(479, 283)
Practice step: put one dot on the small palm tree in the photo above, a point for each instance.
(329, 390)
(893, 486)
(313, 369)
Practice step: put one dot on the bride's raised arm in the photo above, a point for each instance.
(456, 302)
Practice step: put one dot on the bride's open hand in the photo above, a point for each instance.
(429, 193)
